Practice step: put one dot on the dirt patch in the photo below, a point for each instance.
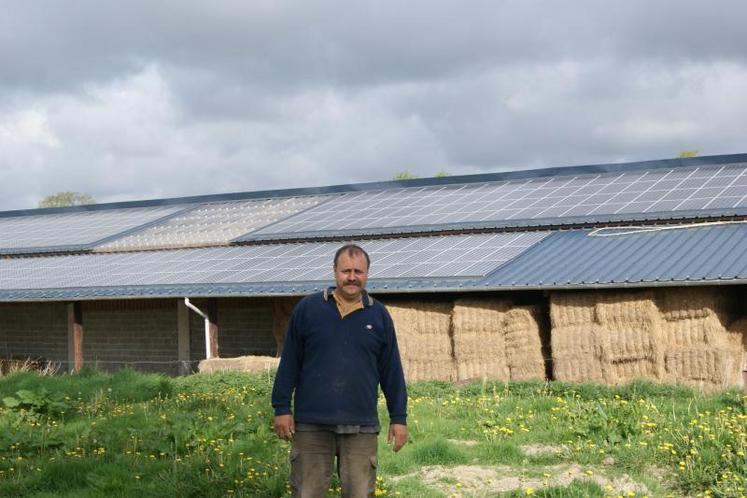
(543, 449)
(463, 442)
(477, 480)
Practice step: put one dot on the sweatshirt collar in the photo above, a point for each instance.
(366, 299)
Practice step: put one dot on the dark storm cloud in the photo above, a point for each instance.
(144, 99)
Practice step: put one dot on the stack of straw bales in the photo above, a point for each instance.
(495, 340)
(629, 336)
(609, 337)
(576, 339)
(424, 338)
(677, 335)
(702, 350)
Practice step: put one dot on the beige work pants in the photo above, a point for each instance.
(313, 454)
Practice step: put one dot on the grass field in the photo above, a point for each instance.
(131, 434)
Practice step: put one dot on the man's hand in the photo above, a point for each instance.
(398, 435)
(285, 426)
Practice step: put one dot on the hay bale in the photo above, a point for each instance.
(572, 308)
(479, 345)
(705, 369)
(253, 364)
(521, 329)
(495, 340)
(424, 338)
(576, 353)
(629, 343)
(673, 335)
(620, 339)
(682, 303)
(738, 330)
(615, 309)
(685, 333)
(703, 353)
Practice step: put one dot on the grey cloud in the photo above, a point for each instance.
(147, 99)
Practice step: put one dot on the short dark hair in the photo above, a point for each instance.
(352, 250)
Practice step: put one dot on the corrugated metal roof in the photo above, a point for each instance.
(710, 253)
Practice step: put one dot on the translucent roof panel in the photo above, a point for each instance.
(642, 194)
(73, 230)
(405, 259)
(214, 223)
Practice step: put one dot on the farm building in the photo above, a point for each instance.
(600, 273)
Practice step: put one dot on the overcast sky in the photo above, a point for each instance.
(147, 99)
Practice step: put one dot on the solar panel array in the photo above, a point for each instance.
(73, 230)
(212, 224)
(426, 257)
(665, 190)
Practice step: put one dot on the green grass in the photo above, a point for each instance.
(132, 434)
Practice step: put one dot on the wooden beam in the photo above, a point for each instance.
(75, 336)
(182, 340)
(212, 312)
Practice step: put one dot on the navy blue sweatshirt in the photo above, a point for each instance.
(335, 364)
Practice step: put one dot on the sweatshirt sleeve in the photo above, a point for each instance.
(291, 358)
(392, 377)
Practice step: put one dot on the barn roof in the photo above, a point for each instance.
(681, 222)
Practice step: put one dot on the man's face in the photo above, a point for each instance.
(351, 275)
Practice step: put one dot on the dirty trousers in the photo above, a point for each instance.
(312, 457)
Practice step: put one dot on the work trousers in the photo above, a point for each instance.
(312, 457)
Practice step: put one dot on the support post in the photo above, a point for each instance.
(212, 312)
(75, 336)
(182, 338)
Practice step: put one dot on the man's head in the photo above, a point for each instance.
(351, 271)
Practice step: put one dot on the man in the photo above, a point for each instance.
(339, 348)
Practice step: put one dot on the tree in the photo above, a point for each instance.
(404, 175)
(688, 153)
(64, 199)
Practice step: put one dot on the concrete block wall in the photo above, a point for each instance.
(141, 334)
(34, 330)
(245, 328)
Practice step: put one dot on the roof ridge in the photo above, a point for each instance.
(382, 185)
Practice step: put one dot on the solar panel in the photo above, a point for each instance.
(212, 224)
(406, 258)
(645, 192)
(74, 230)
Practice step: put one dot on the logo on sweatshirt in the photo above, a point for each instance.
(369, 327)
